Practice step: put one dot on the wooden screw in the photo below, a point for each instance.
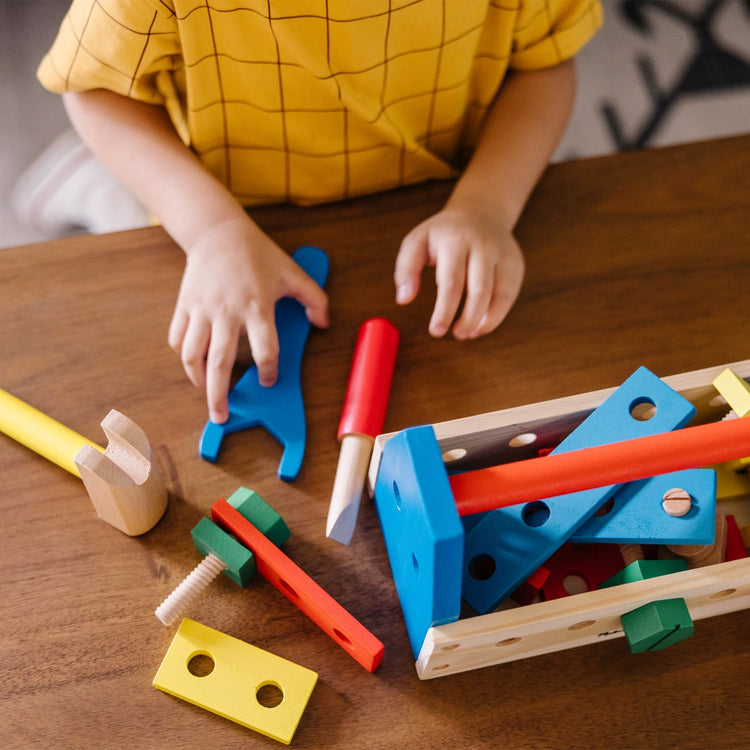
(677, 502)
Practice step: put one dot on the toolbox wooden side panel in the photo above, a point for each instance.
(576, 620)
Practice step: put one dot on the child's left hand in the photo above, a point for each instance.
(473, 251)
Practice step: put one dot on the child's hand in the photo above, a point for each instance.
(472, 251)
(233, 277)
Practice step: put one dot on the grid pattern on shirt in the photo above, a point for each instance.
(316, 100)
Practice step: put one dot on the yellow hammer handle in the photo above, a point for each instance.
(41, 433)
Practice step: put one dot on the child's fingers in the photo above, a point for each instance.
(411, 259)
(264, 344)
(508, 280)
(480, 283)
(311, 297)
(177, 329)
(194, 349)
(222, 352)
(450, 277)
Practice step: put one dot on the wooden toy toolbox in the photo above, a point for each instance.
(510, 634)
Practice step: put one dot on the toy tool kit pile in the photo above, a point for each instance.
(613, 513)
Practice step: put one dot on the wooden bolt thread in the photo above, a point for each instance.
(190, 588)
(631, 553)
(701, 555)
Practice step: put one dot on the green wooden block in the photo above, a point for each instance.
(240, 561)
(260, 514)
(657, 625)
(640, 570)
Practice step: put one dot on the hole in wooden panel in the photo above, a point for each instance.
(583, 624)
(723, 594)
(520, 441)
(341, 637)
(288, 588)
(454, 454)
(508, 641)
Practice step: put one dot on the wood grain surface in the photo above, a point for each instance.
(635, 259)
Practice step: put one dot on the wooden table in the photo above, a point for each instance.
(634, 259)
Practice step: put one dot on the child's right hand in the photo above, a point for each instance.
(475, 256)
(233, 278)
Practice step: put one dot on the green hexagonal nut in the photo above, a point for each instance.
(657, 625)
(239, 560)
(260, 514)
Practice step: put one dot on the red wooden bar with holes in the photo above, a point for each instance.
(301, 590)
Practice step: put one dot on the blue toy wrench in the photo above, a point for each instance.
(279, 409)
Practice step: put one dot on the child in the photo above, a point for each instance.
(205, 107)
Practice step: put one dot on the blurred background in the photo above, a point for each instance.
(659, 72)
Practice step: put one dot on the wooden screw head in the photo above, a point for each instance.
(676, 502)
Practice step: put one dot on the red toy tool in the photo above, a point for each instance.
(361, 421)
(613, 463)
(300, 589)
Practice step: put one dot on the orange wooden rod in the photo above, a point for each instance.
(599, 466)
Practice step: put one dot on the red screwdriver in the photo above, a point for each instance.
(361, 421)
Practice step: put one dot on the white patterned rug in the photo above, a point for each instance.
(661, 72)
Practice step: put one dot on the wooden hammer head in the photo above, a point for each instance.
(125, 484)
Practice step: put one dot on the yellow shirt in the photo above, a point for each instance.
(316, 100)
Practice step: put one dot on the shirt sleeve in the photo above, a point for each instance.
(552, 31)
(129, 47)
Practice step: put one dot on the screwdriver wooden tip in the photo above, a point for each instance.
(348, 486)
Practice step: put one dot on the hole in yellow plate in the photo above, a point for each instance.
(201, 664)
(269, 695)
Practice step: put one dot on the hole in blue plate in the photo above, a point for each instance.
(642, 409)
(535, 514)
(482, 567)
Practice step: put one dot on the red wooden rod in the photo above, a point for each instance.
(599, 466)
